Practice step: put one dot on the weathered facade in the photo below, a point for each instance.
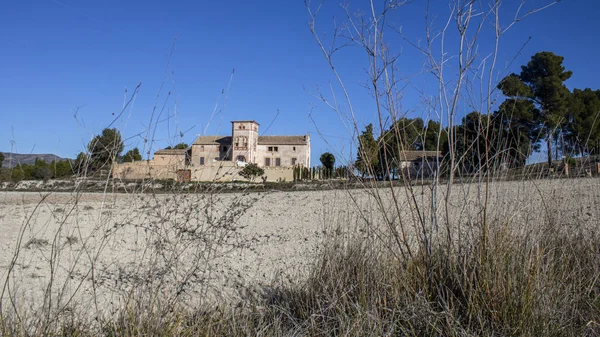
(220, 158)
(246, 146)
(419, 164)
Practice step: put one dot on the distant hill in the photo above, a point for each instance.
(13, 159)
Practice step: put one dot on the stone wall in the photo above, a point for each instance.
(223, 171)
(279, 174)
(228, 171)
(144, 170)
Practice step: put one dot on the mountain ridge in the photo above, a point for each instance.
(13, 159)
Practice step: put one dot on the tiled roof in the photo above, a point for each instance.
(246, 121)
(281, 140)
(171, 152)
(262, 140)
(414, 155)
(212, 140)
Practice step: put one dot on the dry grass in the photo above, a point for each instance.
(518, 287)
(532, 276)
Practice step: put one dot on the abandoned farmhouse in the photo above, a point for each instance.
(220, 158)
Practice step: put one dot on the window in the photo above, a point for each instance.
(277, 161)
(202, 148)
(294, 161)
(224, 148)
(241, 141)
(276, 149)
(273, 149)
(201, 160)
(294, 148)
(267, 162)
(270, 149)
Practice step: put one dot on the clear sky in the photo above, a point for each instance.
(67, 67)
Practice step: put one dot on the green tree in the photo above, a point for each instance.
(23, 171)
(476, 143)
(105, 148)
(81, 164)
(505, 138)
(541, 82)
(368, 152)
(433, 133)
(61, 169)
(406, 135)
(517, 129)
(40, 170)
(132, 155)
(17, 173)
(1, 158)
(328, 161)
(251, 171)
(582, 135)
(180, 146)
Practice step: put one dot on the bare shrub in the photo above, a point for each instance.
(36, 243)
(71, 240)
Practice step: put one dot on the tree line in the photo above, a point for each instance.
(102, 151)
(538, 109)
(40, 170)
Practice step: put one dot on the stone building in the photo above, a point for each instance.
(419, 164)
(246, 146)
(219, 158)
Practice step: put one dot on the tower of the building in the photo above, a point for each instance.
(244, 140)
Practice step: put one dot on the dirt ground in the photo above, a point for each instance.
(93, 252)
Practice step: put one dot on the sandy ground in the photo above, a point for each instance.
(93, 252)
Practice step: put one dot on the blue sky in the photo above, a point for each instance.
(67, 67)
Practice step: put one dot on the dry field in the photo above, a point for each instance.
(92, 252)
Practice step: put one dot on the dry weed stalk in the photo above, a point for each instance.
(470, 85)
(450, 237)
(174, 237)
